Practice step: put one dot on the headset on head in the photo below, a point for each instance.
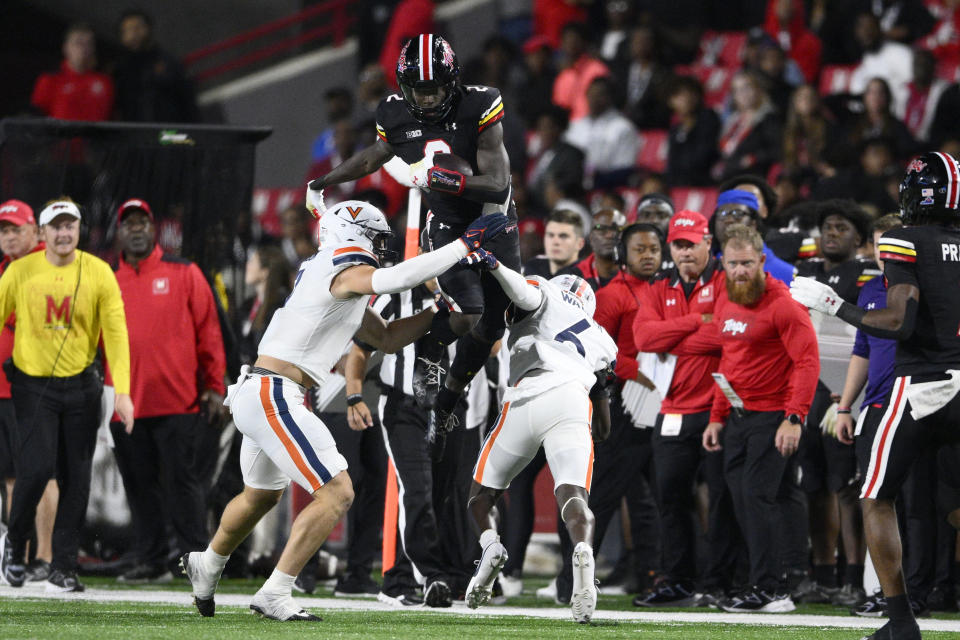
(631, 229)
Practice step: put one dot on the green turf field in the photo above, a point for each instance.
(33, 617)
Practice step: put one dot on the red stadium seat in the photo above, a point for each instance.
(700, 199)
(722, 49)
(652, 153)
(835, 78)
(949, 71)
(267, 205)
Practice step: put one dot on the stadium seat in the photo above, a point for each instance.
(267, 205)
(722, 49)
(700, 199)
(652, 152)
(835, 78)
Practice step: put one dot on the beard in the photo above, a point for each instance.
(749, 292)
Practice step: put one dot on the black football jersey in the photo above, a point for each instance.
(927, 257)
(478, 108)
(846, 278)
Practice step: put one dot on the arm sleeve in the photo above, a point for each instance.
(41, 94)
(113, 324)
(705, 341)
(525, 295)
(409, 273)
(800, 340)
(210, 353)
(609, 315)
(654, 334)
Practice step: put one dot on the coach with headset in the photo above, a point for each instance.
(64, 298)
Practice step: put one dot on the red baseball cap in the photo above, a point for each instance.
(17, 213)
(687, 225)
(130, 205)
(535, 43)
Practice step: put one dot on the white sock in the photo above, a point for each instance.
(488, 537)
(279, 582)
(214, 561)
(583, 546)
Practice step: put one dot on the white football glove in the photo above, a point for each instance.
(420, 173)
(314, 202)
(815, 295)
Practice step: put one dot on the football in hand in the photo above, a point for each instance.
(452, 162)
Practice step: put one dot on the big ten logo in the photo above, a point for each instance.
(58, 315)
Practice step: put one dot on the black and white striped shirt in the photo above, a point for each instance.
(396, 370)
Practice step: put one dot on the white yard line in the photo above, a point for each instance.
(349, 604)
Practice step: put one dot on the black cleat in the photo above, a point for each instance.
(437, 594)
(909, 630)
(426, 381)
(206, 606)
(439, 424)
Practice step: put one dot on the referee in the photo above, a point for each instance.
(63, 298)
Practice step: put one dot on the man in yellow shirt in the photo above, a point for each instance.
(64, 299)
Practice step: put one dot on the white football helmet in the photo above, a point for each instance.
(581, 290)
(358, 222)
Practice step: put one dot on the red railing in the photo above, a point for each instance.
(337, 20)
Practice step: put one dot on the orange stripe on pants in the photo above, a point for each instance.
(487, 447)
(278, 429)
(590, 464)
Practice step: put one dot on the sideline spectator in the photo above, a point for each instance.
(656, 209)
(338, 106)
(72, 296)
(268, 273)
(878, 120)
(297, 242)
(752, 137)
(550, 157)
(580, 69)
(536, 91)
(671, 314)
(178, 366)
(152, 85)
(643, 79)
(807, 138)
(601, 265)
(562, 242)
(18, 237)
(76, 92)
(736, 207)
(693, 136)
(770, 365)
(923, 96)
(606, 137)
(901, 20)
(410, 18)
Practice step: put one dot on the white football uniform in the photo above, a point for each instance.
(555, 351)
(282, 439)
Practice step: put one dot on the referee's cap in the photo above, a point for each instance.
(59, 208)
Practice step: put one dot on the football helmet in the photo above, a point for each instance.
(930, 190)
(428, 63)
(358, 223)
(581, 290)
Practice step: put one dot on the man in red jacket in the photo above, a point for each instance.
(77, 91)
(177, 367)
(766, 382)
(18, 237)
(671, 315)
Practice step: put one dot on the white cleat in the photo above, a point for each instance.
(488, 567)
(583, 599)
(203, 582)
(280, 607)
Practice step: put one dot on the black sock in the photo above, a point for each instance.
(447, 399)
(472, 354)
(898, 609)
(825, 575)
(853, 575)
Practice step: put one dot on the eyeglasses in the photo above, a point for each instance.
(737, 214)
(606, 228)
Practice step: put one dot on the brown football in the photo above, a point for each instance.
(452, 162)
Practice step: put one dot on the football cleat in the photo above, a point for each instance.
(437, 594)
(280, 607)
(492, 559)
(203, 585)
(583, 597)
(426, 381)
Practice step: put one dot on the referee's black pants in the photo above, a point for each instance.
(755, 473)
(57, 420)
(678, 459)
(405, 429)
(157, 464)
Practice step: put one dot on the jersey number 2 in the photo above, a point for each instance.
(570, 335)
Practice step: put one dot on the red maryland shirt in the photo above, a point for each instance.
(616, 307)
(176, 349)
(69, 95)
(770, 354)
(6, 333)
(668, 321)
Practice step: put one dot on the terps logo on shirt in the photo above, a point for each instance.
(734, 327)
(161, 286)
(59, 311)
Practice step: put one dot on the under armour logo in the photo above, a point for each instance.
(872, 305)
(671, 302)
(833, 279)
(830, 300)
(440, 225)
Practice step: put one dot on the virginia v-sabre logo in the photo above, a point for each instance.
(734, 327)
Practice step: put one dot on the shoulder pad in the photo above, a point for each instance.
(898, 245)
(484, 103)
(352, 254)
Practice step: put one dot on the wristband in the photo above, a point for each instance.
(354, 399)
(446, 181)
(843, 409)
